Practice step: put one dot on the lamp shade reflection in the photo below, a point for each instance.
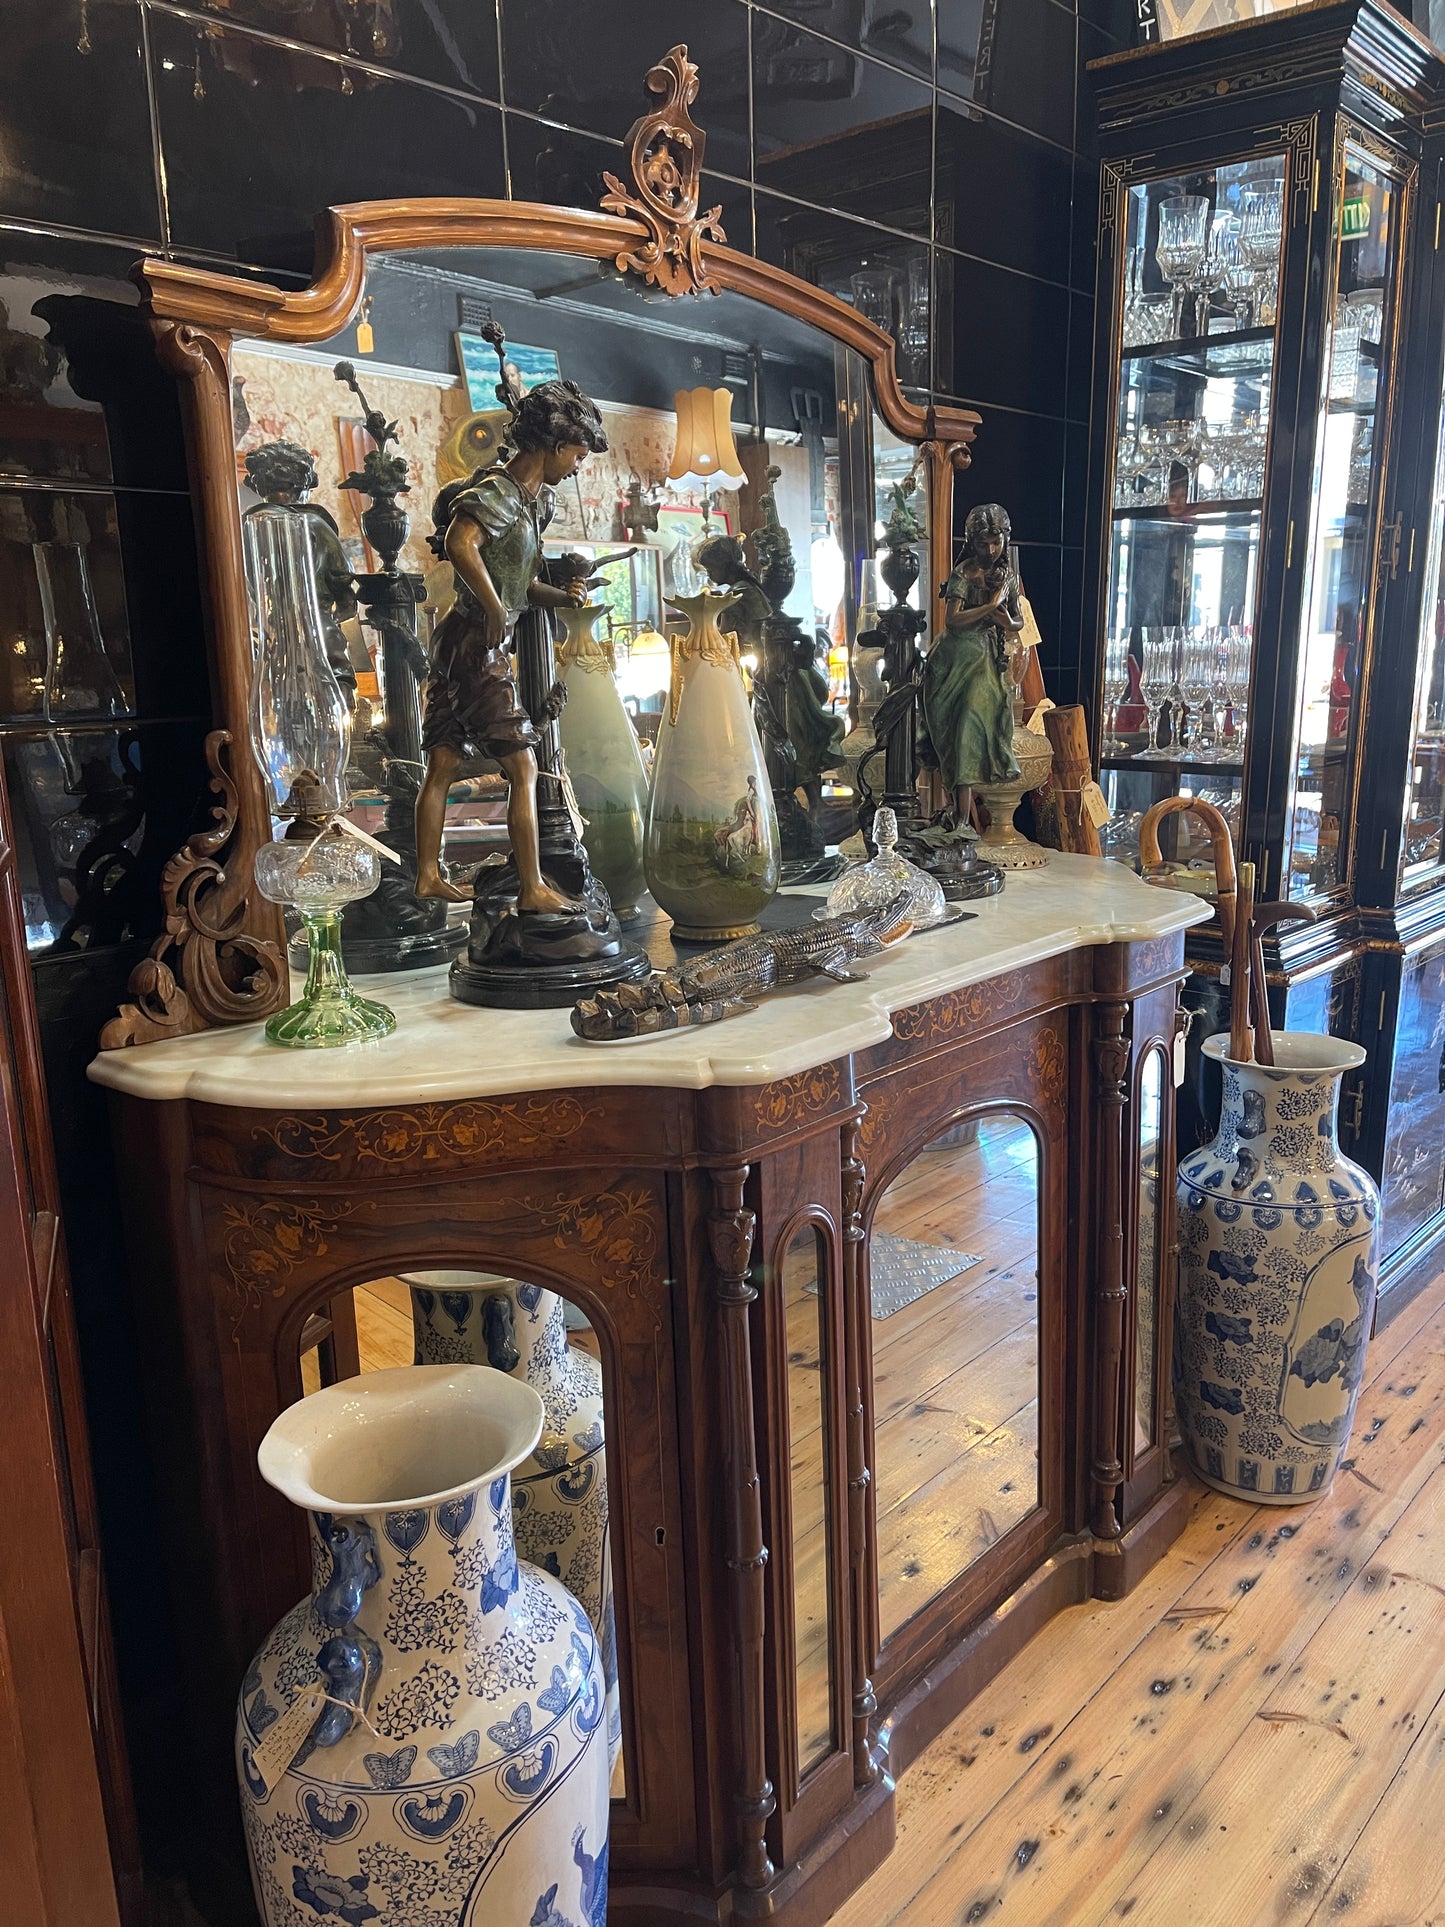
(705, 449)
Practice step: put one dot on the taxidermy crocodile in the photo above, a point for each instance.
(723, 982)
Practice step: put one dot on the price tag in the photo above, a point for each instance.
(1181, 1039)
(1036, 721)
(286, 1736)
(1091, 797)
(351, 829)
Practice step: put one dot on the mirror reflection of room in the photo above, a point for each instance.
(722, 472)
(954, 1284)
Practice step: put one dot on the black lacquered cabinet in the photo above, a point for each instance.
(1265, 597)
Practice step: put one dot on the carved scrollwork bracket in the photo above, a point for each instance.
(664, 151)
(205, 968)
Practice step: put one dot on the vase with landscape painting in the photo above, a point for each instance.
(604, 760)
(712, 853)
(1278, 1257)
(422, 1741)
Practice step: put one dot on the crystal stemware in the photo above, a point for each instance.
(1237, 652)
(1196, 675)
(1183, 236)
(1156, 674)
(1241, 278)
(1116, 683)
(1261, 225)
(1178, 640)
(1214, 268)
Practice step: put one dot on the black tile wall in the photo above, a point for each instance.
(946, 141)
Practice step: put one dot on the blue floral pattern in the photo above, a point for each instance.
(480, 1712)
(1274, 1299)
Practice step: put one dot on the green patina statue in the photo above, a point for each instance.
(967, 687)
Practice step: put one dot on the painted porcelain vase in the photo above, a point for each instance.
(1278, 1255)
(455, 1775)
(604, 760)
(559, 1493)
(712, 855)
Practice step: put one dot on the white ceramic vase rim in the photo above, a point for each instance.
(1294, 1050)
(377, 1417)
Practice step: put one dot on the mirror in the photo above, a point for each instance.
(800, 465)
(1146, 1297)
(803, 1277)
(402, 290)
(560, 1511)
(953, 1263)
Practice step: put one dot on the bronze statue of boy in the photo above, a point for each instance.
(490, 529)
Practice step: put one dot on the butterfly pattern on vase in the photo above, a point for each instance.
(458, 1758)
(390, 1769)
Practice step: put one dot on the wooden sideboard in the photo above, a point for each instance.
(661, 1187)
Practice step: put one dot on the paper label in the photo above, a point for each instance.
(1181, 1039)
(286, 1736)
(1091, 798)
(352, 829)
(1036, 721)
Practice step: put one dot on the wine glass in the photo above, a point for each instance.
(1156, 674)
(1183, 236)
(1261, 217)
(1214, 268)
(1178, 641)
(1196, 676)
(1237, 651)
(1241, 278)
(1116, 682)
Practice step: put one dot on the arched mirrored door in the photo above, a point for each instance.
(953, 1271)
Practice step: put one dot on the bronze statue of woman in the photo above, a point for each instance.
(967, 689)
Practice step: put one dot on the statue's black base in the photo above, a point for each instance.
(545, 962)
(413, 950)
(961, 873)
(535, 960)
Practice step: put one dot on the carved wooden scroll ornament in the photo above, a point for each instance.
(664, 151)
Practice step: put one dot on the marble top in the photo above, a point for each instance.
(443, 1049)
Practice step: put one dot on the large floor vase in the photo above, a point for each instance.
(1278, 1256)
(456, 1775)
(559, 1493)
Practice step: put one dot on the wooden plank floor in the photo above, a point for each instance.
(1256, 1735)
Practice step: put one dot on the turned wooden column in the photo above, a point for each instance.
(855, 1316)
(1111, 1071)
(730, 1237)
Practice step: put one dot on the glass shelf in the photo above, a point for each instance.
(1188, 512)
(1243, 351)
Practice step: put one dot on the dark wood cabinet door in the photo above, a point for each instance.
(64, 1792)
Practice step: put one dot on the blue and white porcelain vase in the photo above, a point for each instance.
(1278, 1257)
(559, 1494)
(456, 1773)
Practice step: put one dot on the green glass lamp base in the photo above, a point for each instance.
(330, 1012)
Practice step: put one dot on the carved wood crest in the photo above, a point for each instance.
(664, 150)
(205, 968)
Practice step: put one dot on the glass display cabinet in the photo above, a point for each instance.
(1263, 597)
